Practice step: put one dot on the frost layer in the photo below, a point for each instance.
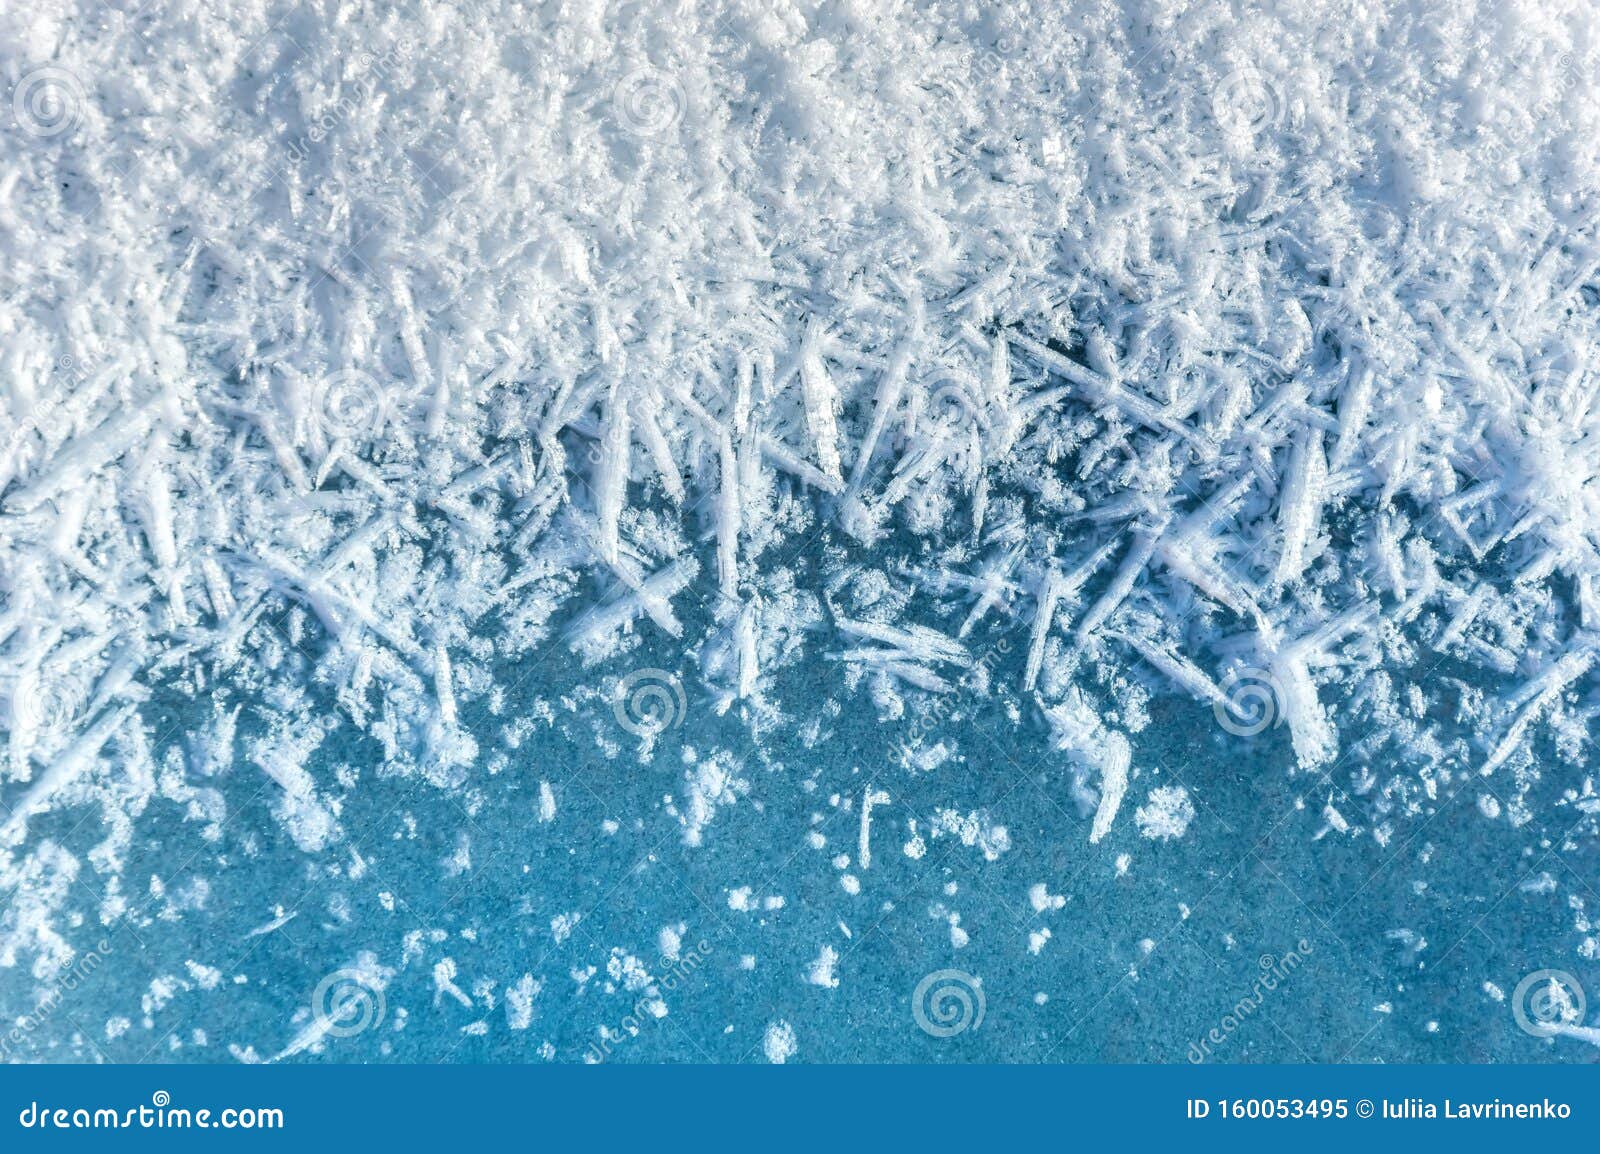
(358, 360)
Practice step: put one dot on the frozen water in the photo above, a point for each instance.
(764, 530)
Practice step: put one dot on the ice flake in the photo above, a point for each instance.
(1077, 730)
(1166, 814)
(779, 1043)
(1041, 899)
(822, 969)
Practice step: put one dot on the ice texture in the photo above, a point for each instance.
(360, 360)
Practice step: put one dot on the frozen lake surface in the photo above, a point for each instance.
(1293, 943)
(802, 530)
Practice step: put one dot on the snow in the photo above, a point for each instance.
(1041, 899)
(520, 1000)
(1166, 814)
(779, 1043)
(356, 364)
(821, 972)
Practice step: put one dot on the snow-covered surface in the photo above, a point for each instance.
(391, 396)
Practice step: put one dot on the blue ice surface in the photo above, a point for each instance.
(1255, 880)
